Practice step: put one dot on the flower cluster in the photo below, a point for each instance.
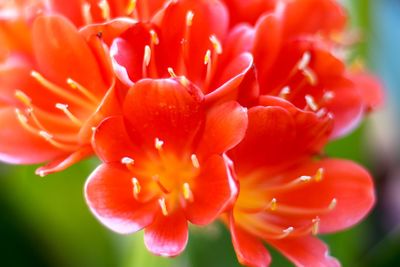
(199, 110)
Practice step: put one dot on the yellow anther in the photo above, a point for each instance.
(189, 18)
(216, 44)
(147, 55)
(158, 144)
(288, 230)
(127, 161)
(172, 72)
(163, 206)
(273, 205)
(207, 57)
(136, 187)
(131, 7)
(315, 226)
(187, 192)
(154, 37)
(21, 96)
(284, 92)
(311, 102)
(304, 61)
(195, 161)
(333, 204)
(305, 178)
(319, 175)
(105, 9)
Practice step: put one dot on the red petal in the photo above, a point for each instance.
(249, 249)
(348, 183)
(51, 35)
(65, 162)
(18, 146)
(111, 141)
(109, 194)
(305, 251)
(248, 11)
(371, 89)
(163, 109)
(167, 235)
(224, 128)
(214, 182)
(71, 9)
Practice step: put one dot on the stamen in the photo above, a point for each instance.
(105, 9)
(158, 144)
(171, 72)
(127, 161)
(131, 7)
(319, 175)
(77, 86)
(216, 44)
(147, 55)
(311, 102)
(184, 81)
(288, 230)
(305, 178)
(322, 112)
(189, 18)
(315, 226)
(163, 206)
(21, 96)
(310, 76)
(329, 95)
(207, 57)
(64, 108)
(154, 38)
(304, 61)
(284, 92)
(333, 204)
(195, 161)
(273, 205)
(87, 16)
(187, 192)
(45, 135)
(136, 187)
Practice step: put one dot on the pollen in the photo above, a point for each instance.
(310, 76)
(216, 44)
(127, 161)
(163, 206)
(147, 55)
(158, 144)
(189, 18)
(105, 9)
(172, 72)
(154, 37)
(285, 92)
(207, 57)
(288, 230)
(187, 192)
(304, 61)
(195, 161)
(305, 178)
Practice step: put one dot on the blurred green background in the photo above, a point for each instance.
(45, 221)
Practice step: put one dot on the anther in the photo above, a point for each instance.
(284, 92)
(64, 108)
(216, 44)
(158, 144)
(310, 76)
(21, 117)
(189, 18)
(273, 205)
(305, 178)
(304, 61)
(319, 175)
(322, 112)
(187, 192)
(171, 72)
(105, 9)
(77, 86)
(207, 57)
(333, 204)
(163, 206)
(315, 226)
(87, 16)
(21, 96)
(311, 102)
(127, 161)
(45, 135)
(147, 55)
(154, 37)
(136, 187)
(195, 161)
(329, 95)
(288, 230)
(184, 81)
(131, 7)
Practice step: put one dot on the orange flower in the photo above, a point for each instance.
(163, 163)
(288, 192)
(53, 96)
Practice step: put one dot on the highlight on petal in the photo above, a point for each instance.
(249, 249)
(108, 193)
(305, 251)
(167, 235)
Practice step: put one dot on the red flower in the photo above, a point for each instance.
(163, 163)
(53, 96)
(295, 59)
(288, 192)
(185, 39)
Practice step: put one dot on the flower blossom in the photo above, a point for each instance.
(288, 192)
(163, 161)
(52, 94)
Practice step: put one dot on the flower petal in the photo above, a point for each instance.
(111, 141)
(249, 249)
(57, 63)
(224, 128)
(18, 146)
(305, 251)
(167, 235)
(214, 182)
(370, 88)
(109, 194)
(163, 109)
